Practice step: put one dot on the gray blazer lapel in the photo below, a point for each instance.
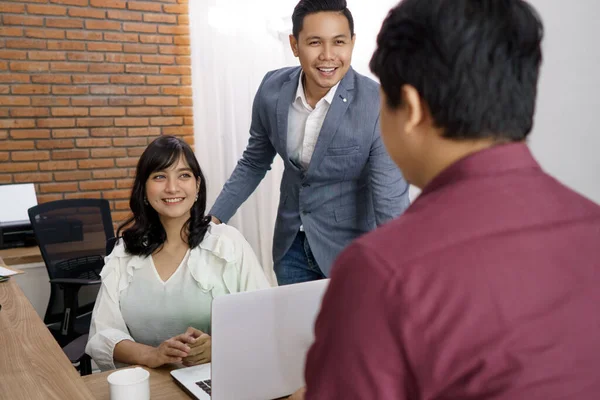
(286, 97)
(342, 99)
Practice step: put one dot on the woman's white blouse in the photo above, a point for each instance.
(135, 304)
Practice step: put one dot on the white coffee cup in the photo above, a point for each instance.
(129, 384)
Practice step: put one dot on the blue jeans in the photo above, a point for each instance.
(298, 264)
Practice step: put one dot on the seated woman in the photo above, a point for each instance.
(159, 281)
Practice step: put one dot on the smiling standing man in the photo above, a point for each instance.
(322, 118)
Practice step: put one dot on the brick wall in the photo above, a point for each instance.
(85, 85)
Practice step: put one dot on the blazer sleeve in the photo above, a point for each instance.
(251, 168)
(389, 189)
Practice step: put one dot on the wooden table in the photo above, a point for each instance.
(32, 364)
(21, 255)
(162, 386)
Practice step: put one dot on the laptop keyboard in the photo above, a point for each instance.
(205, 385)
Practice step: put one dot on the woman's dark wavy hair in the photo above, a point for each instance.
(143, 232)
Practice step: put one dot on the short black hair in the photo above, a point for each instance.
(306, 7)
(475, 63)
(143, 232)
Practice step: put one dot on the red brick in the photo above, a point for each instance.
(94, 142)
(18, 167)
(109, 153)
(108, 68)
(65, 45)
(58, 90)
(126, 162)
(126, 101)
(181, 40)
(103, 25)
(144, 6)
(165, 121)
(29, 112)
(163, 80)
(143, 111)
(58, 187)
(15, 8)
(45, 198)
(26, 44)
(121, 205)
(22, 20)
(183, 19)
(56, 123)
(184, 60)
(68, 67)
(95, 164)
(85, 57)
(109, 3)
(117, 194)
(181, 50)
(127, 183)
(86, 79)
(125, 15)
(178, 130)
(70, 154)
(156, 39)
(16, 101)
(16, 123)
(108, 90)
(162, 101)
(50, 101)
(82, 35)
(101, 46)
(93, 122)
(146, 131)
(89, 101)
(131, 121)
(58, 165)
(87, 13)
(108, 112)
(13, 54)
(44, 33)
(134, 27)
(30, 134)
(46, 9)
(69, 112)
(109, 173)
(188, 121)
(141, 69)
(171, 70)
(49, 78)
(69, 133)
(181, 111)
(3, 134)
(31, 89)
(142, 90)
(139, 48)
(97, 185)
(158, 59)
(30, 155)
(176, 90)
(35, 177)
(17, 144)
(55, 144)
(80, 3)
(71, 175)
(176, 9)
(160, 18)
(47, 55)
(5, 156)
(121, 37)
(110, 132)
(11, 31)
(123, 58)
(86, 195)
(28, 66)
(173, 30)
(70, 23)
(128, 79)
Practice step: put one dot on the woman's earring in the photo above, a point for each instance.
(196, 197)
(145, 200)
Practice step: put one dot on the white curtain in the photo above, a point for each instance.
(234, 43)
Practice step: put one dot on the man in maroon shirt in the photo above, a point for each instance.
(487, 286)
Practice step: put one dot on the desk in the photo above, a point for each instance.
(32, 364)
(162, 386)
(21, 255)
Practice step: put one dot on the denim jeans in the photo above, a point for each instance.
(298, 264)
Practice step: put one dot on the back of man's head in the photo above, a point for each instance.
(475, 63)
(306, 7)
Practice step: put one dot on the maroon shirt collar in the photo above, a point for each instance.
(489, 162)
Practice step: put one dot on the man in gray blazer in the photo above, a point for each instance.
(322, 118)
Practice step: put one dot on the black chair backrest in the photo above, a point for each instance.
(72, 236)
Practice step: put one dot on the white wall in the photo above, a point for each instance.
(566, 138)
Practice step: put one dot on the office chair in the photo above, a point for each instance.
(72, 236)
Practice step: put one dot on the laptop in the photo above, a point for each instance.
(259, 344)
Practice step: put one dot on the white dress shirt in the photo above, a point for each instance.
(304, 124)
(135, 304)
